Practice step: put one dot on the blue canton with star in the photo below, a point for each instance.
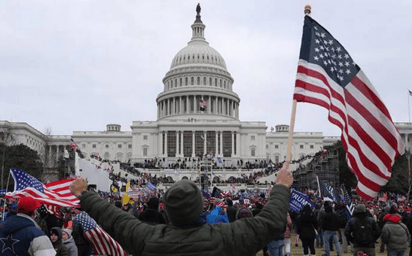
(8, 243)
(24, 180)
(319, 47)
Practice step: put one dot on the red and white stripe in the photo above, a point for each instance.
(56, 194)
(370, 138)
(103, 244)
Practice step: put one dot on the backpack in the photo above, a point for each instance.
(363, 232)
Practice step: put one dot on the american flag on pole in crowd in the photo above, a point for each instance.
(73, 144)
(327, 76)
(102, 243)
(202, 104)
(56, 194)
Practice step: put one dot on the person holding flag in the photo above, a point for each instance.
(20, 235)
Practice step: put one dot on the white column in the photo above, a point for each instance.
(221, 143)
(209, 105)
(216, 143)
(181, 143)
(205, 142)
(231, 108)
(160, 141)
(57, 153)
(180, 105)
(237, 143)
(194, 104)
(187, 104)
(193, 144)
(233, 144)
(227, 107)
(165, 143)
(177, 143)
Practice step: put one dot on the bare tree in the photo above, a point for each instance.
(7, 138)
(48, 155)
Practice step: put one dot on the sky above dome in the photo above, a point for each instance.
(79, 65)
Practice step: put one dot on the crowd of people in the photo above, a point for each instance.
(186, 220)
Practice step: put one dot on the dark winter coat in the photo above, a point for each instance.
(351, 228)
(152, 216)
(330, 221)
(242, 237)
(307, 224)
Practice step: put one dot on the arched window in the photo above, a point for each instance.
(216, 82)
(180, 81)
(186, 81)
(193, 81)
(198, 80)
(210, 81)
(220, 83)
(204, 80)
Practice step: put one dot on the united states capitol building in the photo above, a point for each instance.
(197, 115)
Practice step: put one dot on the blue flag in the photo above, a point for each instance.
(150, 185)
(298, 200)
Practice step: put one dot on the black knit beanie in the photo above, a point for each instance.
(183, 202)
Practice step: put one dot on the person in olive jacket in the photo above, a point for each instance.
(187, 233)
(307, 225)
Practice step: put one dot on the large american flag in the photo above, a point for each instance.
(55, 194)
(103, 243)
(327, 76)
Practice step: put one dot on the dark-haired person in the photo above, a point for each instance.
(307, 225)
(20, 234)
(56, 239)
(187, 233)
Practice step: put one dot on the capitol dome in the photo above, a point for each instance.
(198, 82)
(199, 52)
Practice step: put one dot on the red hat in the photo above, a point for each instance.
(27, 205)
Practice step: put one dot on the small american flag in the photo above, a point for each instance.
(103, 243)
(202, 104)
(55, 194)
(327, 76)
(73, 144)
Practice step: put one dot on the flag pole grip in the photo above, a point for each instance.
(291, 128)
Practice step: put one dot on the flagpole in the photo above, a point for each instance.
(291, 128)
(409, 108)
(292, 119)
(4, 205)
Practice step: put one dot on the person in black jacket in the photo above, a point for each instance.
(230, 210)
(151, 214)
(307, 225)
(362, 227)
(330, 225)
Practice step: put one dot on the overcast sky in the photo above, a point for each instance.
(78, 65)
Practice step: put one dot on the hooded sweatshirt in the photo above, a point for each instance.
(60, 249)
(395, 234)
